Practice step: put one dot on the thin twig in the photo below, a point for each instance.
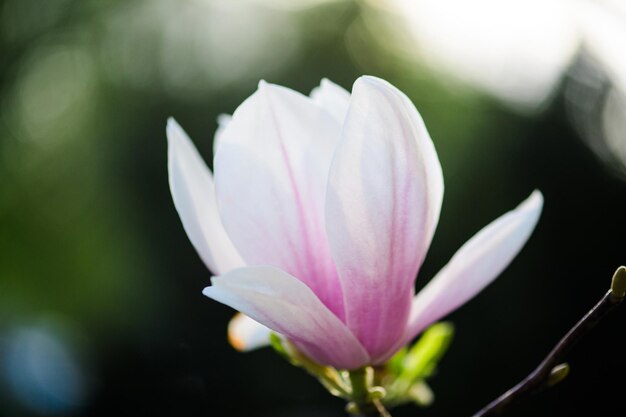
(552, 370)
(380, 409)
(374, 408)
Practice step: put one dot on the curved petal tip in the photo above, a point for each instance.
(535, 200)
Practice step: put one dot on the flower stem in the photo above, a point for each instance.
(552, 370)
(365, 402)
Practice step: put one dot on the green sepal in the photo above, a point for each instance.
(421, 394)
(396, 363)
(400, 380)
(329, 377)
(422, 358)
(408, 369)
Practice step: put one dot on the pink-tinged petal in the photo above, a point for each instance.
(286, 305)
(245, 334)
(271, 170)
(332, 98)
(384, 196)
(222, 121)
(475, 265)
(193, 192)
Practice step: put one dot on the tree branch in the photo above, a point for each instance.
(552, 370)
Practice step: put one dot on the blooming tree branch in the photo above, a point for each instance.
(553, 370)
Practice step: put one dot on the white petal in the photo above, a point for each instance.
(384, 196)
(245, 334)
(332, 98)
(193, 192)
(475, 265)
(287, 306)
(222, 121)
(271, 171)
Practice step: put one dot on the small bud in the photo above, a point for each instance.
(558, 374)
(618, 284)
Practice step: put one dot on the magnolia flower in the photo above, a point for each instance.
(319, 216)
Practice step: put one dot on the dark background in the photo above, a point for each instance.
(101, 311)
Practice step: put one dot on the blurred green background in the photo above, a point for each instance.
(101, 311)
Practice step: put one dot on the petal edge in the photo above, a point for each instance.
(286, 305)
(475, 265)
(193, 192)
